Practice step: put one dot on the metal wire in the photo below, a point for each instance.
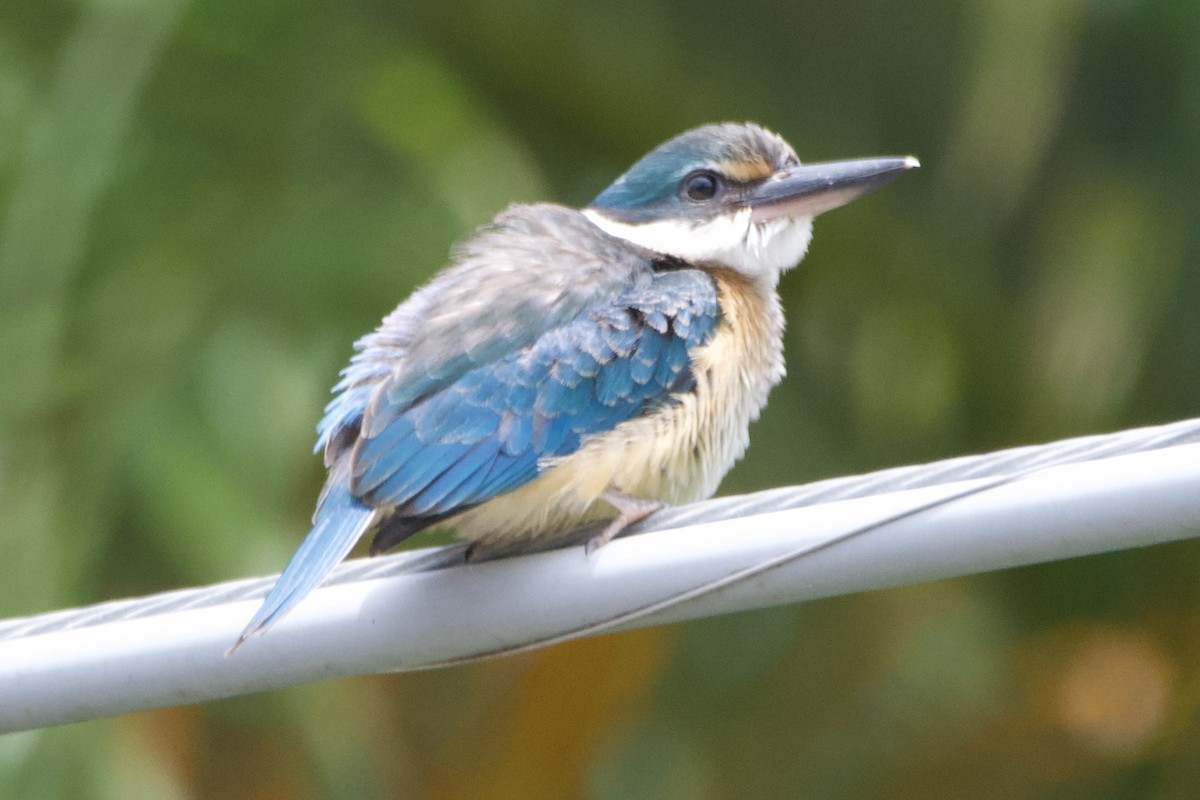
(992, 465)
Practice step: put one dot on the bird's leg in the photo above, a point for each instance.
(477, 550)
(486, 549)
(629, 510)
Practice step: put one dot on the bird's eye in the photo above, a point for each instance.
(700, 186)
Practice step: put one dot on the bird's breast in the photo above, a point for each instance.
(698, 440)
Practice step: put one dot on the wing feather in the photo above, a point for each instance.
(487, 433)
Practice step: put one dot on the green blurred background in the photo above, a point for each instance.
(202, 204)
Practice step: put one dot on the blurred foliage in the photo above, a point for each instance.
(202, 204)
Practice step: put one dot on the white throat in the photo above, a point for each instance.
(759, 250)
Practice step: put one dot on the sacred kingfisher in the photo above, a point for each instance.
(572, 365)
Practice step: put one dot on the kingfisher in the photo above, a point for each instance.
(575, 366)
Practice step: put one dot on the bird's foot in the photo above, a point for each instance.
(629, 510)
(479, 550)
(475, 551)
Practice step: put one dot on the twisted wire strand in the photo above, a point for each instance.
(991, 465)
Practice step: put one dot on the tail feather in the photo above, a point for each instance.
(342, 521)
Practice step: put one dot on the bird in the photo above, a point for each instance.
(574, 366)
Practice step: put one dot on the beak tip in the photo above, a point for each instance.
(911, 162)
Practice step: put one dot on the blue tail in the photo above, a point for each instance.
(342, 519)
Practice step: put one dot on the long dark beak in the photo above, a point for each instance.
(810, 189)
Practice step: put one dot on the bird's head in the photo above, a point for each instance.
(734, 195)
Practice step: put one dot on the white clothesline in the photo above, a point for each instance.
(966, 515)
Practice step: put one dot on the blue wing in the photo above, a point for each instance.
(486, 431)
(535, 269)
